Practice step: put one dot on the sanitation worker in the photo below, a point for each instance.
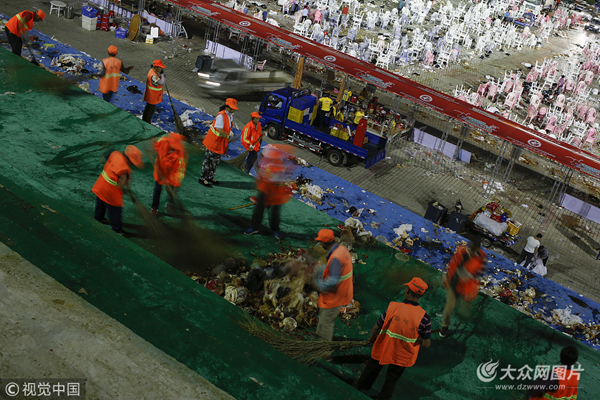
(16, 28)
(251, 139)
(109, 186)
(397, 337)
(216, 142)
(154, 89)
(460, 279)
(169, 169)
(334, 283)
(111, 73)
(273, 171)
(562, 382)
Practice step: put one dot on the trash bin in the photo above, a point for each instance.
(69, 13)
(435, 212)
(204, 62)
(456, 221)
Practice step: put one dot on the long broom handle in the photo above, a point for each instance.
(245, 205)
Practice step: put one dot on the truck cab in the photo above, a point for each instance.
(289, 114)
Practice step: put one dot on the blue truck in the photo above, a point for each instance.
(288, 114)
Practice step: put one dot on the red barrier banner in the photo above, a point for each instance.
(476, 117)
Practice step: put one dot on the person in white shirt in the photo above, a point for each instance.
(531, 248)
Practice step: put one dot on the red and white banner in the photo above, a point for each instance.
(476, 117)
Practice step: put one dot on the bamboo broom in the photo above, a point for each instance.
(304, 351)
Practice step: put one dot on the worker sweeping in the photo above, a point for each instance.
(154, 89)
(461, 282)
(251, 139)
(273, 172)
(217, 142)
(109, 186)
(111, 73)
(334, 283)
(397, 338)
(169, 169)
(16, 28)
(562, 382)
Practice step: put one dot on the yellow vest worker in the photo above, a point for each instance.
(326, 103)
(358, 116)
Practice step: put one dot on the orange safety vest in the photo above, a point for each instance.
(344, 292)
(467, 288)
(171, 159)
(399, 333)
(251, 134)
(112, 74)
(276, 193)
(18, 25)
(569, 386)
(107, 185)
(215, 141)
(153, 94)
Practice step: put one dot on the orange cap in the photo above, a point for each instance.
(255, 114)
(112, 49)
(326, 236)
(158, 63)
(231, 103)
(135, 156)
(417, 285)
(41, 14)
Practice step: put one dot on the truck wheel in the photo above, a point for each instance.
(485, 242)
(273, 131)
(335, 157)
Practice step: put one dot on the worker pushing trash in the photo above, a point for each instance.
(16, 28)
(335, 283)
(110, 184)
(169, 169)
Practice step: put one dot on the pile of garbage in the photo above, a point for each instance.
(514, 291)
(278, 289)
(70, 63)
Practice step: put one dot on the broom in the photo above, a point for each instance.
(240, 160)
(178, 123)
(304, 351)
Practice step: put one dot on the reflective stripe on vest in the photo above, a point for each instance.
(22, 21)
(152, 87)
(113, 75)
(549, 396)
(106, 177)
(344, 277)
(397, 336)
(217, 133)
